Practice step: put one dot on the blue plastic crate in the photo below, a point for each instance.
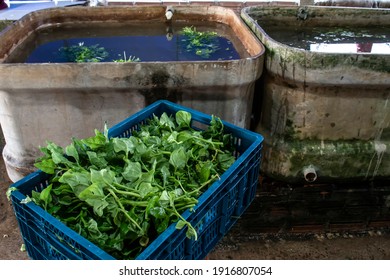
(217, 210)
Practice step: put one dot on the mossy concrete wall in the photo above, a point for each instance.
(330, 111)
(4, 24)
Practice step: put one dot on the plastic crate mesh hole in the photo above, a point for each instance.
(207, 239)
(63, 238)
(209, 216)
(33, 239)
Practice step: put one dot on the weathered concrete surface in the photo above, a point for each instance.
(55, 102)
(330, 111)
(351, 3)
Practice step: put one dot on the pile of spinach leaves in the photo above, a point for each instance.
(121, 193)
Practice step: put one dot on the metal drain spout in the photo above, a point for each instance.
(310, 173)
(169, 12)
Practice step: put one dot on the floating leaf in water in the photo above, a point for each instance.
(202, 44)
(82, 53)
(129, 59)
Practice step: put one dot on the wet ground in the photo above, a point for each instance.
(371, 244)
(10, 239)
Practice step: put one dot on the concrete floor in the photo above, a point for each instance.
(17, 11)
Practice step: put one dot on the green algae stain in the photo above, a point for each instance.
(341, 159)
(4, 24)
(283, 21)
(311, 60)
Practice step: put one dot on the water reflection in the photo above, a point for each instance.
(144, 42)
(373, 48)
(333, 39)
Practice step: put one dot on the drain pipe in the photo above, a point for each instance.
(309, 173)
(169, 12)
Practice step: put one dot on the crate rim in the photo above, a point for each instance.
(193, 112)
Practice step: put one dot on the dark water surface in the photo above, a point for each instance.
(333, 39)
(146, 42)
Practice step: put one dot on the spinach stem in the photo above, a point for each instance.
(125, 192)
(123, 210)
(135, 203)
(185, 221)
(185, 207)
(212, 179)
